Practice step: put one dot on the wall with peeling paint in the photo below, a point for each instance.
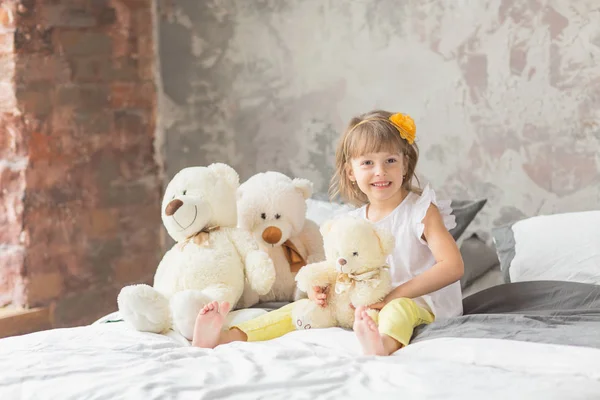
(505, 93)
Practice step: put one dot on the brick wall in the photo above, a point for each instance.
(13, 162)
(81, 185)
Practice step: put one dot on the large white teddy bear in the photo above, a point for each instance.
(211, 260)
(272, 207)
(355, 273)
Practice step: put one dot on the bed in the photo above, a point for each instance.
(518, 340)
(538, 338)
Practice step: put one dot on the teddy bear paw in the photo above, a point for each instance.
(261, 271)
(302, 324)
(144, 308)
(185, 306)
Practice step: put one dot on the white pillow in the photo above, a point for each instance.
(563, 247)
(320, 211)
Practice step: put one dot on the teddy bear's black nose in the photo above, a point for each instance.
(342, 261)
(173, 206)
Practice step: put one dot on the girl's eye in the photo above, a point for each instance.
(392, 160)
(355, 254)
(263, 216)
(367, 162)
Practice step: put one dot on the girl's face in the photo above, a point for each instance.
(378, 175)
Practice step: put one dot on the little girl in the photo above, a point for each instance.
(375, 164)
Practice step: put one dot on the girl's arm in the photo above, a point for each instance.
(448, 268)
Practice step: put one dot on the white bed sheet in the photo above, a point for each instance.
(111, 361)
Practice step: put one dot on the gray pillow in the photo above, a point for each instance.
(465, 212)
(504, 240)
(478, 258)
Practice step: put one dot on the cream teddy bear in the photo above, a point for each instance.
(211, 260)
(355, 273)
(272, 207)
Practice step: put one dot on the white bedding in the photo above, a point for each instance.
(110, 361)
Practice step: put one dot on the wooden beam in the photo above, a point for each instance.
(15, 322)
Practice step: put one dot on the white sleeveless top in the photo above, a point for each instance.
(411, 255)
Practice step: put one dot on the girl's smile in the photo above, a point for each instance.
(381, 184)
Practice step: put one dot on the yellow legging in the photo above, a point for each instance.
(397, 319)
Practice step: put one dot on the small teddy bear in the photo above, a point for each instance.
(211, 261)
(272, 207)
(354, 272)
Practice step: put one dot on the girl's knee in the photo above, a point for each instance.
(407, 309)
(401, 305)
(400, 301)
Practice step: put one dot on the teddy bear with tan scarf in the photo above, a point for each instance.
(272, 207)
(354, 273)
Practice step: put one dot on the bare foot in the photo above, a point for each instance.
(209, 323)
(367, 333)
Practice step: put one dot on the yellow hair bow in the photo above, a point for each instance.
(405, 125)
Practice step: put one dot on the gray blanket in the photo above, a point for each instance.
(544, 311)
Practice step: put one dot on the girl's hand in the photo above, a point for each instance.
(378, 306)
(381, 304)
(375, 306)
(319, 295)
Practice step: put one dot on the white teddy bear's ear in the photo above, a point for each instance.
(304, 186)
(386, 240)
(224, 171)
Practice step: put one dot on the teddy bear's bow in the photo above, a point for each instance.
(293, 256)
(346, 281)
(200, 238)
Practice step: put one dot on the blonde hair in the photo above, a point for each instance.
(372, 132)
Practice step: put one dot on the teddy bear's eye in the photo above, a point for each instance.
(263, 216)
(277, 216)
(355, 254)
(184, 192)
